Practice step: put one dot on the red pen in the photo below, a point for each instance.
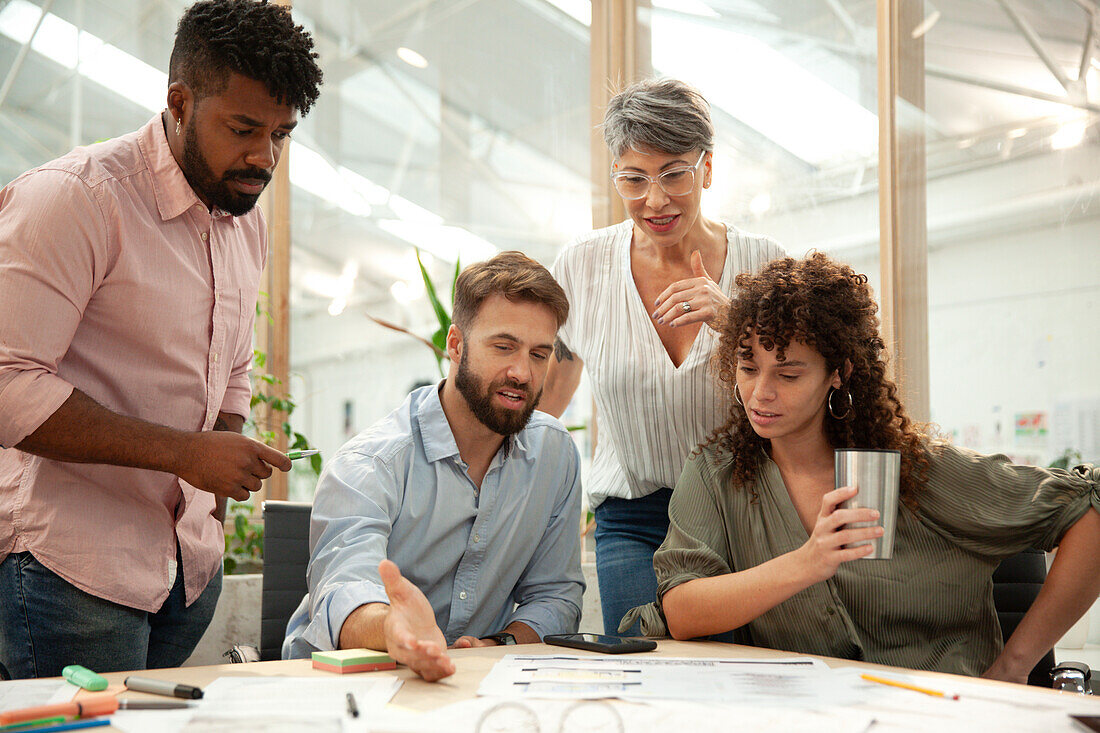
(85, 707)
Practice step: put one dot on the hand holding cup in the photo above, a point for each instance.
(836, 534)
(875, 474)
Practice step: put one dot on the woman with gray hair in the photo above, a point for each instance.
(640, 293)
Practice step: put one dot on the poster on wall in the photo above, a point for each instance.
(1075, 425)
(1031, 429)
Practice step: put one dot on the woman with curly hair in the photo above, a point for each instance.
(757, 543)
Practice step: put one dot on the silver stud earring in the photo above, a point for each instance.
(179, 124)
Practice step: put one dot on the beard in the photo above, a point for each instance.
(480, 400)
(207, 184)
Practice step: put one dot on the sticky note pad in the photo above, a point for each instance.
(346, 661)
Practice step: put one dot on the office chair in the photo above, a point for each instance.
(286, 554)
(1016, 583)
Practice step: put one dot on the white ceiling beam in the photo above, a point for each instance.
(1000, 86)
(22, 56)
(1036, 44)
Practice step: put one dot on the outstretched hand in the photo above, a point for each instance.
(412, 636)
(700, 291)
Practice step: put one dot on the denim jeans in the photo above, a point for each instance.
(46, 623)
(628, 532)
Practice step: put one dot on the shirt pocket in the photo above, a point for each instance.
(234, 317)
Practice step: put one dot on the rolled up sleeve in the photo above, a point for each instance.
(696, 545)
(993, 507)
(53, 255)
(353, 512)
(548, 594)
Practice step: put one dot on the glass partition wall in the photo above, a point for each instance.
(1012, 90)
(452, 128)
(792, 87)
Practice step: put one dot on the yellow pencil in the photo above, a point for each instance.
(906, 686)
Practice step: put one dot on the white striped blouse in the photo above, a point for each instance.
(651, 413)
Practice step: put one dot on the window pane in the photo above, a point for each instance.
(454, 127)
(792, 87)
(1013, 226)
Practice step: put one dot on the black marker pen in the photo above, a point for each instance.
(163, 687)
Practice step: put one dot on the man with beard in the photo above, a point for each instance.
(473, 494)
(129, 272)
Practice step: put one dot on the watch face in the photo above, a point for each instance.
(503, 638)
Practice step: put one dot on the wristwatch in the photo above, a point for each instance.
(501, 637)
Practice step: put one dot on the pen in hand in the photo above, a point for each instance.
(353, 709)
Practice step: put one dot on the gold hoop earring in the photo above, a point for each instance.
(179, 125)
(832, 410)
(737, 396)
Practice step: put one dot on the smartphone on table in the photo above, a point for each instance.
(601, 643)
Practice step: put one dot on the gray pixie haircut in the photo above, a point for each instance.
(665, 115)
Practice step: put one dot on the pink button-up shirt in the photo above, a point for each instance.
(116, 280)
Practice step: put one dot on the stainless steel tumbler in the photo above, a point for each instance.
(876, 474)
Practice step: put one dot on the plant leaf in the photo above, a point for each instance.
(454, 281)
(401, 329)
(433, 296)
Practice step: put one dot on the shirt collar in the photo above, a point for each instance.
(439, 441)
(435, 431)
(170, 187)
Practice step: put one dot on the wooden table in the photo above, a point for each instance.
(473, 664)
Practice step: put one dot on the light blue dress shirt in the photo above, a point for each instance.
(509, 552)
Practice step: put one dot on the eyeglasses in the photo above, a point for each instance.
(675, 181)
(583, 716)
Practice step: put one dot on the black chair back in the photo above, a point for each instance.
(286, 554)
(1016, 583)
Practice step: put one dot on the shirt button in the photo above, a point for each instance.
(215, 358)
(830, 610)
(203, 236)
(477, 537)
(462, 595)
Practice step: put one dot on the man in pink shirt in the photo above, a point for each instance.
(129, 272)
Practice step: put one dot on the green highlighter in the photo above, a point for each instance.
(24, 725)
(84, 677)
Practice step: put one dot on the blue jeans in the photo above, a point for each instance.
(628, 532)
(46, 623)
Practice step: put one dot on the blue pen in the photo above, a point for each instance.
(75, 725)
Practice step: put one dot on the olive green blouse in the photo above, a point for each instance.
(929, 607)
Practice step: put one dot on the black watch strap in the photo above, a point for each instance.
(501, 637)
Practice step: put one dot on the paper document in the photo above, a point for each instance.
(17, 694)
(270, 705)
(979, 707)
(786, 682)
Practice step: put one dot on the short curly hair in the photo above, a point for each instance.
(830, 308)
(255, 39)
